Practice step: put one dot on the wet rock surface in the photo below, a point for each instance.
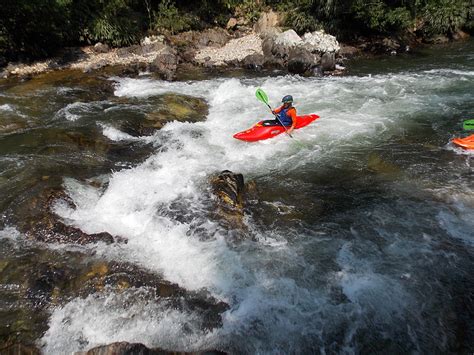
(124, 348)
(38, 279)
(169, 107)
(38, 221)
(233, 195)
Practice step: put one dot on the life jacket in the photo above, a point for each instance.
(284, 117)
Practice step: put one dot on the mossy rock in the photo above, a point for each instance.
(169, 107)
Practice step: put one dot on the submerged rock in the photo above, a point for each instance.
(38, 221)
(378, 165)
(124, 348)
(170, 107)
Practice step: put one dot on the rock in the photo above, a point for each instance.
(348, 52)
(170, 107)
(232, 23)
(124, 348)
(328, 61)
(317, 71)
(152, 40)
(321, 42)
(42, 282)
(439, 39)
(39, 223)
(101, 48)
(229, 188)
(391, 44)
(459, 35)
(96, 65)
(153, 47)
(165, 64)
(125, 52)
(377, 164)
(288, 39)
(282, 44)
(214, 37)
(253, 61)
(187, 55)
(301, 61)
(267, 46)
(267, 22)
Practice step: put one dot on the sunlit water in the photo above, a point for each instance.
(363, 240)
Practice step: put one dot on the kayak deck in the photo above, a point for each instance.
(260, 132)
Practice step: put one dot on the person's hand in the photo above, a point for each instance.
(290, 130)
(274, 112)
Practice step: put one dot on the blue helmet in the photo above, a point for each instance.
(287, 99)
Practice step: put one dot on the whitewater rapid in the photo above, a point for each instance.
(279, 301)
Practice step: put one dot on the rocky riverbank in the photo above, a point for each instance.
(265, 46)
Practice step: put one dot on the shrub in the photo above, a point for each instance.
(112, 21)
(378, 17)
(33, 28)
(168, 17)
(445, 16)
(301, 22)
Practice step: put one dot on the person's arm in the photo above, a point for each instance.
(292, 114)
(277, 110)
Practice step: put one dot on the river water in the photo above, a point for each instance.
(362, 240)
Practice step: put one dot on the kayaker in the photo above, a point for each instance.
(286, 113)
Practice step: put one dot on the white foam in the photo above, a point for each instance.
(131, 316)
(10, 233)
(76, 110)
(7, 108)
(116, 135)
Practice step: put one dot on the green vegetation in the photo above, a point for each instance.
(36, 28)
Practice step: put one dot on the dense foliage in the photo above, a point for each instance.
(35, 28)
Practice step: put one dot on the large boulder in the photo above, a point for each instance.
(328, 61)
(301, 61)
(232, 194)
(253, 61)
(229, 187)
(214, 37)
(165, 63)
(284, 42)
(320, 42)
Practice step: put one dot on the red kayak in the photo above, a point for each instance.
(466, 143)
(260, 132)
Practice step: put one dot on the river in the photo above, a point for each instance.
(362, 240)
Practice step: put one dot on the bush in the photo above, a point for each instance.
(114, 22)
(301, 22)
(378, 17)
(33, 28)
(169, 18)
(445, 16)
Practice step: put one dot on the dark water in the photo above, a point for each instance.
(362, 240)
